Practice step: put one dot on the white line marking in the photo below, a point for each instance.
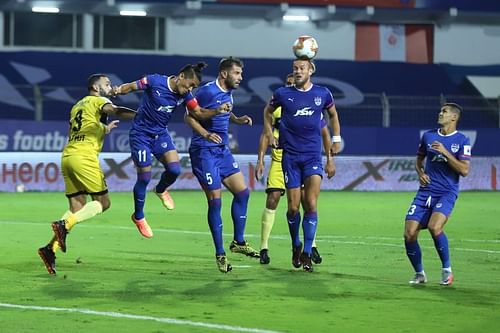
(340, 239)
(242, 266)
(137, 317)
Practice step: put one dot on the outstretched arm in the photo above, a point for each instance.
(243, 120)
(200, 113)
(125, 88)
(196, 126)
(121, 112)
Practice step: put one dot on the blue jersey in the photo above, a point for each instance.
(157, 104)
(443, 178)
(212, 96)
(301, 114)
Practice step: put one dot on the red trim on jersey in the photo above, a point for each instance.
(192, 104)
(142, 82)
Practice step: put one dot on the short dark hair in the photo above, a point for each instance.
(93, 79)
(227, 63)
(191, 71)
(454, 107)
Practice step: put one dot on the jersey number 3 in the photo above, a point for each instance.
(76, 124)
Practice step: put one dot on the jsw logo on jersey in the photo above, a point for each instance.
(167, 109)
(304, 112)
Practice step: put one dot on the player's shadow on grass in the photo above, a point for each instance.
(457, 294)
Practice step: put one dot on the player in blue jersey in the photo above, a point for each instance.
(275, 188)
(447, 155)
(149, 133)
(302, 107)
(214, 165)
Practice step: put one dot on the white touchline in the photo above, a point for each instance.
(137, 317)
(338, 239)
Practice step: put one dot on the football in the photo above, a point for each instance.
(305, 47)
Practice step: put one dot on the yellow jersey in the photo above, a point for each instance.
(276, 154)
(86, 131)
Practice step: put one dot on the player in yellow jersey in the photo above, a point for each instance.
(80, 164)
(275, 188)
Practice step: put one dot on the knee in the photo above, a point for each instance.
(143, 178)
(242, 196)
(272, 203)
(173, 168)
(410, 236)
(435, 230)
(310, 205)
(292, 211)
(105, 204)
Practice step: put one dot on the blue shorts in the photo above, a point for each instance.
(425, 204)
(142, 145)
(211, 165)
(297, 168)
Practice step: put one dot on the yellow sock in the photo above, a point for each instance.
(314, 242)
(266, 227)
(88, 211)
(66, 214)
(54, 244)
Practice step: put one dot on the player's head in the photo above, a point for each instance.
(231, 72)
(99, 84)
(302, 71)
(450, 113)
(289, 80)
(189, 77)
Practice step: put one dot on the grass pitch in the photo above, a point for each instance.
(113, 280)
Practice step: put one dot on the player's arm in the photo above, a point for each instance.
(461, 167)
(243, 120)
(335, 126)
(423, 178)
(268, 125)
(121, 112)
(263, 144)
(330, 163)
(196, 111)
(198, 128)
(125, 88)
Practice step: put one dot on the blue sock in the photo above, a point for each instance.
(441, 244)
(293, 228)
(309, 225)
(239, 214)
(415, 255)
(140, 188)
(215, 224)
(168, 177)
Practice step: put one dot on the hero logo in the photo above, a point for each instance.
(304, 112)
(167, 108)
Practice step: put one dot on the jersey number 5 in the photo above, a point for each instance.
(209, 178)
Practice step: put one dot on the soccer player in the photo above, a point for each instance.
(276, 182)
(447, 155)
(302, 108)
(149, 133)
(80, 165)
(214, 165)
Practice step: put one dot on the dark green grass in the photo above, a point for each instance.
(361, 286)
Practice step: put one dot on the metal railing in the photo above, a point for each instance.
(375, 110)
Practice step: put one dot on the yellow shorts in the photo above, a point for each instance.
(82, 175)
(275, 178)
